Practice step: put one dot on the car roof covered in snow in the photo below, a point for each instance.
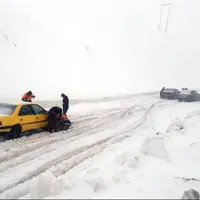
(186, 91)
(169, 90)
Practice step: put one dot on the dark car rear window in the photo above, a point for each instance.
(7, 109)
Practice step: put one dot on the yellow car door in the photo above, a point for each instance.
(27, 118)
(41, 116)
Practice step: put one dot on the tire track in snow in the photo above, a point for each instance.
(16, 160)
(28, 156)
(45, 166)
(135, 97)
(51, 139)
(52, 162)
(21, 157)
(66, 156)
(65, 166)
(36, 137)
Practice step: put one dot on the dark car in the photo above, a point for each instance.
(169, 93)
(189, 96)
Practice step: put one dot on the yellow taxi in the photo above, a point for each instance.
(18, 118)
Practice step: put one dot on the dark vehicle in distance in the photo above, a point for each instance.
(189, 96)
(169, 93)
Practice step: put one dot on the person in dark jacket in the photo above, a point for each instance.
(53, 118)
(27, 97)
(65, 103)
(56, 110)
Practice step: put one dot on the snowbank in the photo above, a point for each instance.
(192, 114)
(176, 126)
(45, 186)
(155, 146)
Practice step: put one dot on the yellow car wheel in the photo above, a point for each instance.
(15, 132)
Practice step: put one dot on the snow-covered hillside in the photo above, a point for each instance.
(133, 147)
(96, 48)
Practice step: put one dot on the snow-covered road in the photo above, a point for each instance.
(121, 148)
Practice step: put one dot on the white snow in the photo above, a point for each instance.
(2, 114)
(136, 147)
(154, 146)
(186, 92)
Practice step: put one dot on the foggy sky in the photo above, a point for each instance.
(90, 48)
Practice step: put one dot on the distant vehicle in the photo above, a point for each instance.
(169, 93)
(189, 96)
(18, 118)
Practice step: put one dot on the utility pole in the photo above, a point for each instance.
(169, 6)
(161, 14)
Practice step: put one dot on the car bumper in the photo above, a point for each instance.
(5, 129)
(168, 97)
(184, 98)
